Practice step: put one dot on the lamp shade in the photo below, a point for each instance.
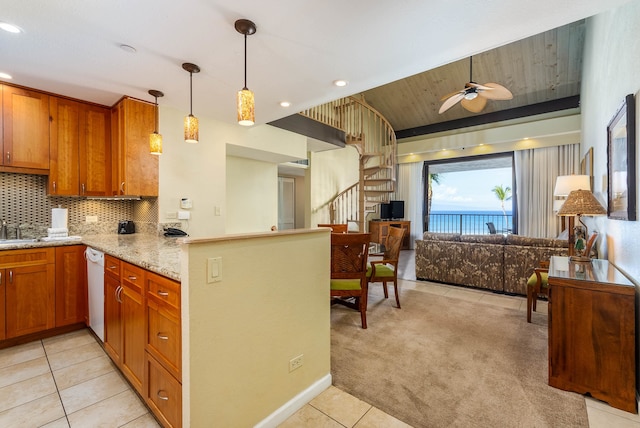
(191, 129)
(581, 202)
(155, 143)
(566, 183)
(246, 107)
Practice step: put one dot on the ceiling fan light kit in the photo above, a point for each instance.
(474, 96)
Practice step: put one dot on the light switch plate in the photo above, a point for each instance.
(214, 269)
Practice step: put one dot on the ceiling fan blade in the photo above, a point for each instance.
(495, 91)
(451, 102)
(477, 86)
(475, 105)
(452, 94)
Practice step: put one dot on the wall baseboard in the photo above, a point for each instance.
(296, 403)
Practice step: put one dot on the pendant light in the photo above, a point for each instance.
(191, 122)
(246, 103)
(155, 139)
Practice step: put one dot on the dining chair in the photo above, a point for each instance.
(386, 270)
(336, 228)
(349, 271)
(537, 284)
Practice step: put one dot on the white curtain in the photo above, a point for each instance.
(409, 188)
(536, 173)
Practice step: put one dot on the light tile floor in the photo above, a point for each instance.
(68, 381)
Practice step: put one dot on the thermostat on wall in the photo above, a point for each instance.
(185, 203)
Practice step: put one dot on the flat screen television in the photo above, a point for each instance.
(397, 210)
(394, 210)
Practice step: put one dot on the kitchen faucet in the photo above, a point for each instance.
(3, 231)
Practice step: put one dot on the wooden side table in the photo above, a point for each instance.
(592, 331)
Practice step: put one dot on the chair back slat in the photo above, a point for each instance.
(393, 243)
(349, 255)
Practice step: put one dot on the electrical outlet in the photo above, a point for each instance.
(172, 214)
(296, 362)
(184, 215)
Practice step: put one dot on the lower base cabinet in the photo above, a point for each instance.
(163, 394)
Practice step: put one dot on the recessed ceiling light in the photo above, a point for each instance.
(285, 104)
(127, 48)
(10, 28)
(340, 83)
(5, 76)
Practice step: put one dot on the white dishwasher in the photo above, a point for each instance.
(95, 279)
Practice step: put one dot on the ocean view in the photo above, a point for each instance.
(469, 222)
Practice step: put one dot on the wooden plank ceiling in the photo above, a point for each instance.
(541, 68)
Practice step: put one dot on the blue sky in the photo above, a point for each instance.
(470, 190)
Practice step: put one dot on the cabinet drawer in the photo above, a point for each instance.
(164, 337)
(165, 291)
(30, 257)
(112, 266)
(163, 394)
(133, 276)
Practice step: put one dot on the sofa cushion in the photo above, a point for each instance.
(536, 242)
(483, 239)
(438, 236)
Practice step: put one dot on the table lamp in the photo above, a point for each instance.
(579, 203)
(565, 184)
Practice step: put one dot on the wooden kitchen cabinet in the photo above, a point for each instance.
(71, 285)
(592, 345)
(163, 392)
(125, 318)
(80, 160)
(25, 130)
(112, 309)
(134, 168)
(29, 290)
(3, 334)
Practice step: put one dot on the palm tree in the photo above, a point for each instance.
(503, 194)
(433, 178)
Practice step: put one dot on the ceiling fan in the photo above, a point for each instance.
(474, 96)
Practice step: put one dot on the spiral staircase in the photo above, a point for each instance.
(373, 137)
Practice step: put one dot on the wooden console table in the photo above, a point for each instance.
(379, 229)
(592, 331)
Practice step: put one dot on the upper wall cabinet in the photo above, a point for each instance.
(25, 136)
(80, 149)
(134, 169)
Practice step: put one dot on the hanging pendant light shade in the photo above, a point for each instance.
(246, 102)
(191, 122)
(155, 139)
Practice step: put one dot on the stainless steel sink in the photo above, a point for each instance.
(17, 241)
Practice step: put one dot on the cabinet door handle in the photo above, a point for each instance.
(162, 336)
(119, 294)
(162, 395)
(122, 187)
(82, 188)
(54, 187)
(132, 278)
(11, 276)
(8, 157)
(112, 267)
(0, 277)
(163, 293)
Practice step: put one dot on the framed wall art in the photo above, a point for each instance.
(621, 162)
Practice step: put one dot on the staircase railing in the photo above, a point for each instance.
(375, 140)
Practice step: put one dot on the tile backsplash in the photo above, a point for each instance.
(24, 202)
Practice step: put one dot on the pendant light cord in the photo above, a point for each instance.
(245, 61)
(191, 93)
(156, 131)
(470, 69)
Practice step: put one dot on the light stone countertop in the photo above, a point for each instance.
(158, 254)
(155, 253)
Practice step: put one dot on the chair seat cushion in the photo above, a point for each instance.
(544, 276)
(345, 284)
(382, 270)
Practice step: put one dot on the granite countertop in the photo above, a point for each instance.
(155, 253)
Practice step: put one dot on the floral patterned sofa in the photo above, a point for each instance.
(495, 262)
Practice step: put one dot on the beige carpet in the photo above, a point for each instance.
(446, 362)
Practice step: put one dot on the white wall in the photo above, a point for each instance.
(610, 72)
(331, 172)
(199, 171)
(252, 195)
